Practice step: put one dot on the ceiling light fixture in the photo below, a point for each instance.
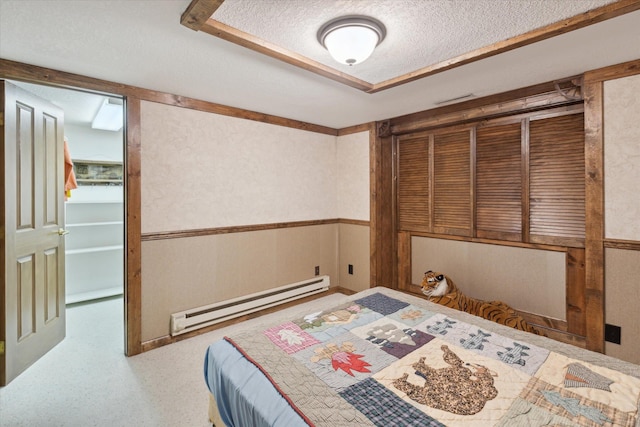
(351, 39)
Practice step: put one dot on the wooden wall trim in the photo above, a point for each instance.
(357, 128)
(544, 321)
(524, 245)
(631, 245)
(594, 215)
(554, 328)
(534, 115)
(575, 296)
(613, 72)
(133, 227)
(224, 110)
(404, 261)
(479, 103)
(520, 105)
(354, 222)
(179, 234)
(375, 175)
(40, 75)
(382, 208)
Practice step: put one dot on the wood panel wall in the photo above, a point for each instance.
(584, 245)
(515, 178)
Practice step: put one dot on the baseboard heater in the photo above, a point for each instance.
(189, 320)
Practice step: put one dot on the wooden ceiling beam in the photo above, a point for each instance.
(196, 15)
(582, 20)
(233, 35)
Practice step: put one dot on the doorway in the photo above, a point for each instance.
(94, 211)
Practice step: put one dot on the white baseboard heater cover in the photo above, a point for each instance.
(189, 320)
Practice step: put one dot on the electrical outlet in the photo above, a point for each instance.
(350, 269)
(612, 333)
(317, 270)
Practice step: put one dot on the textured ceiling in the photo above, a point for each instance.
(142, 43)
(419, 32)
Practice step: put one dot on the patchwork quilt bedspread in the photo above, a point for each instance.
(389, 359)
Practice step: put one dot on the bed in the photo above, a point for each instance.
(385, 358)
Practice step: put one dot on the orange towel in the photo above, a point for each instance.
(69, 176)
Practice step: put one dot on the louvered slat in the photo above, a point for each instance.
(452, 183)
(556, 176)
(499, 182)
(413, 184)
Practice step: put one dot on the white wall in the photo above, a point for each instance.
(203, 170)
(353, 188)
(622, 212)
(93, 144)
(353, 193)
(622, 158)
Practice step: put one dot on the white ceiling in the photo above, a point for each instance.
(419, 32)
(142, 43)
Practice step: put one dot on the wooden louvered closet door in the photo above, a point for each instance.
(452, 201)
(499, 182)
(519, 179)
(556, 180)
(413, 183)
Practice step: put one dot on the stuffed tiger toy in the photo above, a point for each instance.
(441, 290)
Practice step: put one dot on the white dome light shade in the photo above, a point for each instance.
(351, 40)
(351, 45)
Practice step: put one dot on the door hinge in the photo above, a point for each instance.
(2, 119)
(1, 348)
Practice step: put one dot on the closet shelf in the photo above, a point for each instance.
(92, 202)
(91, 295)
(92, 224)
(94, 249)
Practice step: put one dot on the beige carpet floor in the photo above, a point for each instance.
(87, 381)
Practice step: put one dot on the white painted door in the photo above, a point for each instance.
(32, 292)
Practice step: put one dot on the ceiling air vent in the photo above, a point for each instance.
(457, 98)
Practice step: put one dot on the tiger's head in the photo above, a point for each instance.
(434, 284)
